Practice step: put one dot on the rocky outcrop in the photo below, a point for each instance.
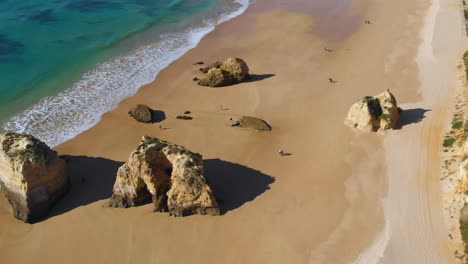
(464, 225)
(377, 113)
(463, 172)
(211, 66)
(216, 77)
(232, 71)
(169, 175)
(237, 68)
(141, 113)
(254, 123)
(32, 176)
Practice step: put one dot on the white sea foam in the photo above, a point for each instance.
(59, 118)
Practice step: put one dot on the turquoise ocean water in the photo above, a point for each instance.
(65, 63)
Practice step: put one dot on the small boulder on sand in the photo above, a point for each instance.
(141, 113)
(232, 71)
(374, 113)
(254, 123)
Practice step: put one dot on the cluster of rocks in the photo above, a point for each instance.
(374, 113)
(231, 71)
(168, 175)
(33, 178)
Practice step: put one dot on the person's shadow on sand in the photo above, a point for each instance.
(234, 184)
(92, 180)
(411, 116)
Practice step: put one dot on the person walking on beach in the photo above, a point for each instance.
(330, 80)
(281, 152)
(327, 49)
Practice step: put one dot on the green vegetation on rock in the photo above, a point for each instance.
(448, 142)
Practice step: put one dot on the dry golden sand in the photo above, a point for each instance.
(322, 204)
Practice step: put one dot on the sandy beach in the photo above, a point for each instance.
(342, 196)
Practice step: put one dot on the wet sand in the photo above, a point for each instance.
(322, 204)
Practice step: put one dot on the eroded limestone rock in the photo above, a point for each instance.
(377, 113)
(169, 175)
(216, 77)
(32, 176)
(232, 71)
(211, 66)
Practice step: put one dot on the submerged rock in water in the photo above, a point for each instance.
(232, 71)
(377, 113)
(141, 113)
(169, 175)
(32, 176)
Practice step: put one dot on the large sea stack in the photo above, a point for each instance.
(374, 113)
(32, 176)
(168, 175)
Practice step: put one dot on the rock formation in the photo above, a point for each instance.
(232, 71)
(211, 66)
(378, 113)
(254, 123)
(169, 175)
(32, 176)
(237, 68)
(141, 113)
(216, 77)
(464, 224)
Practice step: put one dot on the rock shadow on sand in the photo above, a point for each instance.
(260, 77)
(411, 116)
(234, 184)
(157, 116)
(92, 180)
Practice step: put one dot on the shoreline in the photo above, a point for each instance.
(324, 198)
(84, 104)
